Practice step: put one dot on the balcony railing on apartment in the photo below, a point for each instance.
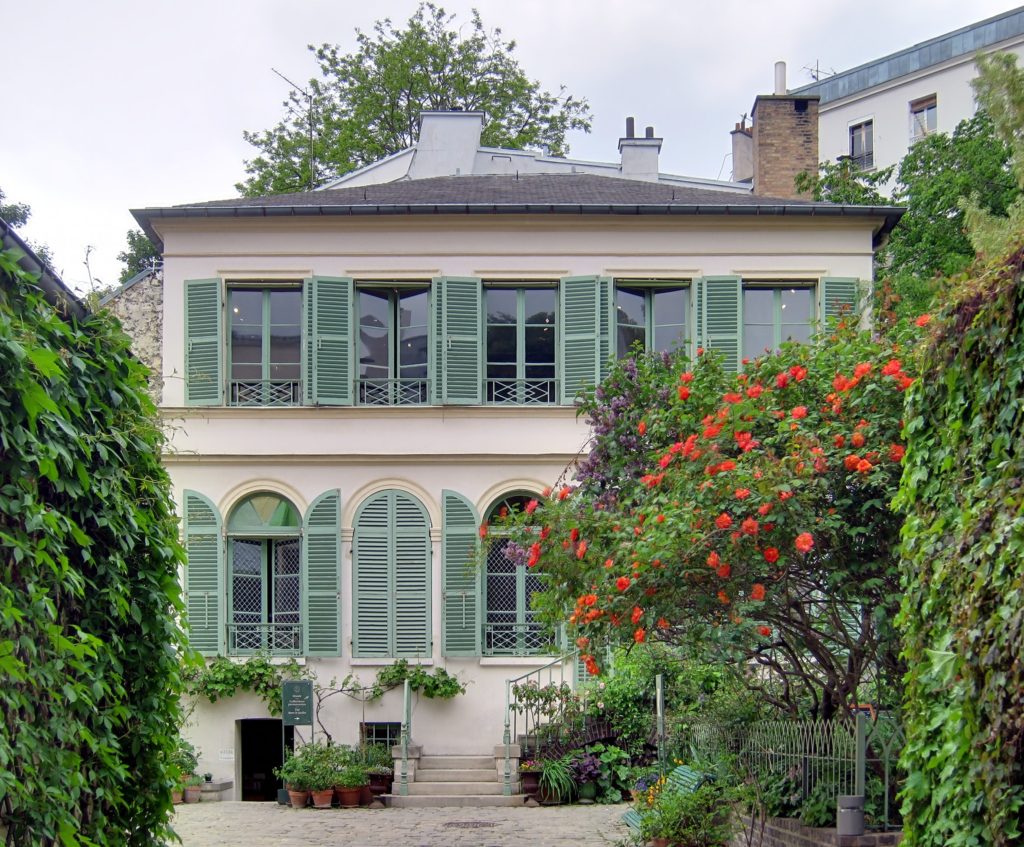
(280, 639)
(523, 392)
(265, 392)
(514, 639)
(393, 392)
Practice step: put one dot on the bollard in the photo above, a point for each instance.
(850, 814)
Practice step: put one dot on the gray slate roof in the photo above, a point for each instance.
(573, 194)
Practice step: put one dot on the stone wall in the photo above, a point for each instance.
(786, 832)
(140, 308)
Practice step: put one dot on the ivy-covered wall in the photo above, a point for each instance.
(89, 645)
(963, 565)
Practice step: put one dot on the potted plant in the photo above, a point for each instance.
(586, 768)
(643, 779)
(529, 776)
(294, 773)
(349, 784)
(700, 818)
(184, 762)
(193, 788)
(555, 781)
(379, 768)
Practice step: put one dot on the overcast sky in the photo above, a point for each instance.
(114, 105)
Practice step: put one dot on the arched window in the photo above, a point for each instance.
(511, 627)
(265, 576)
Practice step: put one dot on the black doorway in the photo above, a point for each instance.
(261, 753)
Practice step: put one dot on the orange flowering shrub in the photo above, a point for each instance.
(748, 515)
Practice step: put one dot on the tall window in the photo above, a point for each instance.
(265, 355)
(653, 316)
(520, 344)
(393, 344)
(776, 313)
(511, 627)
(923, 117)
(264, 591)
(862, 145)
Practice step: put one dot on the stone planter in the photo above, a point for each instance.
(530, 783)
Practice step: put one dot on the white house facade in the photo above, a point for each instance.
(355, 378)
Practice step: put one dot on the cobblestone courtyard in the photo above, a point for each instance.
(270, 825)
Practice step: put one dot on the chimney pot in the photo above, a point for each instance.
(649, 132)
(630, 127)
(780, 77)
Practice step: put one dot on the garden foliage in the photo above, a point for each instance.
(963, 562)
(89, 645)
(745, 516)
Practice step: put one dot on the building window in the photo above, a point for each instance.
(388, 733)
(773, 314)
(652, 316)
(264, 586)
(520, 326)
(265, 345)
(923, 117)
(391, 576)
(862, 145)
(393, 343)
(511, 627)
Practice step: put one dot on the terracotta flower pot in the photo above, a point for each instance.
(661, 842)
(193, 793)
(322, 799)
(298, 798)
(177, 796)
(349, 797)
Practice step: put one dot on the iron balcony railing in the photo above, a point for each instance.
(514, 639)
(522, 392)
(265, 392)
(393, 392)
(281, 639)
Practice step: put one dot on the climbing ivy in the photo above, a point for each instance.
(224, 678)
(90, 673)
(438, 684)
(963, 567)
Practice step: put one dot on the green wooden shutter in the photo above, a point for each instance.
(605, 326)
(436, 341)
(321, 576)
(460, 577)
(412, 577)
(838, 296)
(697, 302)
(371, 578)
(204, 574)
(204, 338)
(584, 335)
(460, 339)
(329, 360)
(723, 322)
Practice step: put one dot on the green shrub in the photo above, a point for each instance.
(701, 818)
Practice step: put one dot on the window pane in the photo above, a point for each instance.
(246, 557)
(501, 305)
(629, 307)
(373, 353)
(757, 339)
(373, 308)
(246, 308)
(413, 346)
(540, 344)
(540, 305)
(628, 336)
(501, 371)
(796, 305)
(758, 306)
(670, 306)
(796, 332)
(669, 338)
(412, 308)
(501, 344)
(286, 307)
(285, 345)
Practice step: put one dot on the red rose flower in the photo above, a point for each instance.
(531, 507)
(713, 559)
(483, 530)
(622, 583)
(757, 592)
(782, 380)
(892, 367)
(723, 598)
(799, 412)
(637, 614)
(641, 427)
(723, 521)
(923, 320)
(724, 571)
(742, 493)
(764, 630)
(639, 635)
(897, 452)
(804, 542)
(684, 392)
(749, 526)
(771, 555)
(581, 549)
(686, 377)
(755, 391)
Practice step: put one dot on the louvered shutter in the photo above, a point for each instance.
(723, 322)
(460, 578)
(204, 574)
(371, 590)
(328, 362)
(838, 296)
(321, 576)
(459, 316)
(697, 295)
(204, 375)
(436, 356)
(412, 577)
(585, 340)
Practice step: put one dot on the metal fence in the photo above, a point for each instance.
(800, 761)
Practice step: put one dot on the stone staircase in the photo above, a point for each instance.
(455, 781)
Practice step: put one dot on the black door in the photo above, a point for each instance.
(261, 753)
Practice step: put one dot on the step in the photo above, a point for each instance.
(456, 762)
(460, 788)
(436, 800)
(456, 774)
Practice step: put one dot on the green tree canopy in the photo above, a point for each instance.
(138, 256)
(366, 104)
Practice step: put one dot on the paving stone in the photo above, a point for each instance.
(236, 824)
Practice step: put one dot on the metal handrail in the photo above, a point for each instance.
(514, 639)
(281, 639)
(403, 780)
(538, 672)
(393, 391)
(265, 392)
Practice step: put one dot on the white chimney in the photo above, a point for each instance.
(639, 155)
(780, 78)
(447, 145)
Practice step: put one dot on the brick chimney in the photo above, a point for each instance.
(639, 155)
(785, 139)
